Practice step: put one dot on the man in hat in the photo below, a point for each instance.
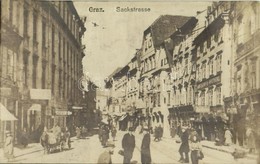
(145, 147)
(9, 146)
(184, 148)
(105, 157)
(128, 144)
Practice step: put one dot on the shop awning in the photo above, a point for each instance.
(182, 109)
(202, 109)
(35, 107)
(5, 115)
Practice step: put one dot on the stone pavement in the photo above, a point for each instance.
(227, 149)
(87, 151)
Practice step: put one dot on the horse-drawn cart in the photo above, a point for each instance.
(52, 142)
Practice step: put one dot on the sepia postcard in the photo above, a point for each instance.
(110, 82)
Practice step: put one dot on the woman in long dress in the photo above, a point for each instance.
(9, 146)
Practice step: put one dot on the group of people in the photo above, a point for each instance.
(128, 146)
(104, 132)
(55, 135)
(190, 142)
(81, 132)
(158, 133)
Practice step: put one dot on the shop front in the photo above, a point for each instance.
(7, 123)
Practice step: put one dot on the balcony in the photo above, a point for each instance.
(244, 48)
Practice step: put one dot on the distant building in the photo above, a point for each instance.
(101, 100)
(156, 63)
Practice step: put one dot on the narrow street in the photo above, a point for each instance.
(87, 151)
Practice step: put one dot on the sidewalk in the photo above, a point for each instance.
(19, 151)
(227, 149)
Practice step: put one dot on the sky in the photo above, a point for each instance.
(113, 42)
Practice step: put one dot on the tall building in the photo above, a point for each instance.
(156, 64)
(244, 102)
(41, 42)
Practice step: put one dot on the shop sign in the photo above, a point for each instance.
(209, 82)
(40, 94)
(62, 113)
(77, 107)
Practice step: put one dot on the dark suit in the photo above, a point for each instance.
(128, 144)
(184, 148)
(145, 149)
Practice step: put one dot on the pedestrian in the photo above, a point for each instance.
(105, 157)
(156, 134)
(196, 149)
(84, 131)
(160, 132)
(250, 140)
(113, 132)
(179, 131)
(104, 135)
(184, 148)
(9, 146)
(67, 136)
(24, 138)
(44, 140)
(128, 145)
(145, 147)
(78, 132)
(173, 131)
(228, 137)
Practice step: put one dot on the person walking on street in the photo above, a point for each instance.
(105, 135)
(184, 148)
(160, 129)
(145, 147)
(196, 148)
(9, 146)
(67, 136)
(24, 138)
(156, 134)
(250, 140)
(105, 157)
(228, 137)
(78, 133)
(128, 144)
(113, 132)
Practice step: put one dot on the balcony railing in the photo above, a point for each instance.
(246, 47)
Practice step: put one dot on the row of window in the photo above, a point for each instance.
(148, 64)
(209, 68)
(210, 98)
(246, 77)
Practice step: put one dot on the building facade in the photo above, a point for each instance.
(243, 104)
(202, 71)
(46, 64)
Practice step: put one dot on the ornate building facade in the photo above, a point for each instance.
(40, 62)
